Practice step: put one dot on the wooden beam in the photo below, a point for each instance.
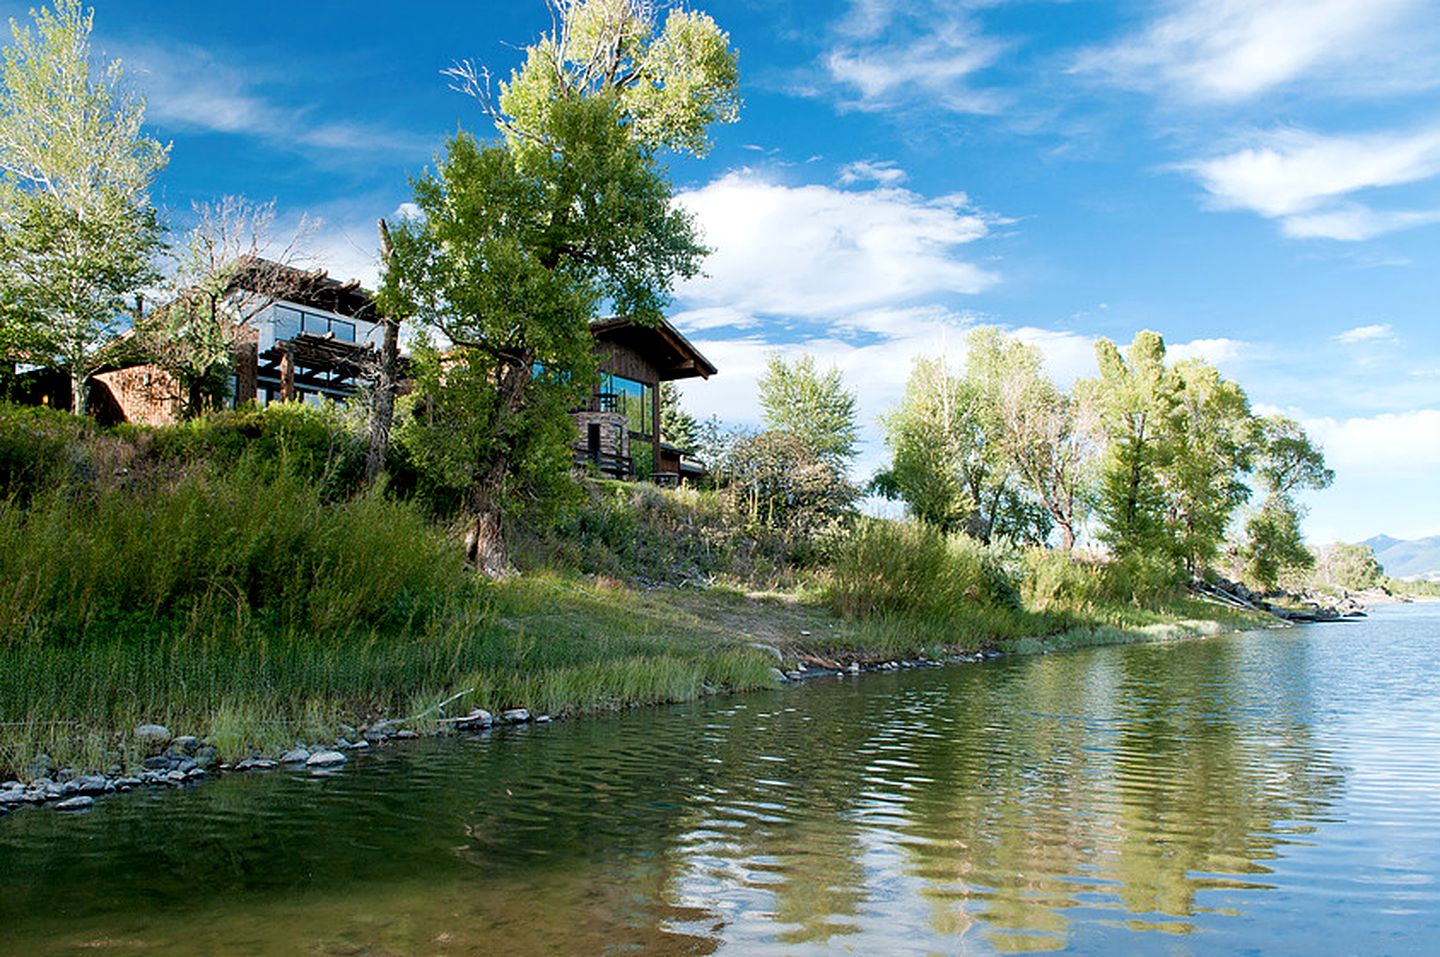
(287, 376)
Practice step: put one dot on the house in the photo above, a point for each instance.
(306, 337)
(620, 425)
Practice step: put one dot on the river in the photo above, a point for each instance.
(1269, 792)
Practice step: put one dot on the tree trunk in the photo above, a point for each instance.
(79, 385)
(485, 534)
(383, 415)
(1067, 536)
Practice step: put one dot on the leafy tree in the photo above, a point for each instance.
(1286, 461)
(1135, 399)
(677, 426)
(77, 231)
(227, 271)
(518, 243)
(777, 479)
(1352, 567)
(1211, 437)
(795, 398)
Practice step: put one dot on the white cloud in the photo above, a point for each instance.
(187, 87)
(1232, 50)
(1303, 179)
(1398, 445)
(1213, 351)
(1371, 333)
(896, 57)
(884, 172)
(818, 252)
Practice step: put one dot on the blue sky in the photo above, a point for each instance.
(1259, 180)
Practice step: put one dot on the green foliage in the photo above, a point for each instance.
(39, 447)
(778, 480)
(887, 568)
(813, 405)
(677, 427)
(1274, 546)
(1347, 566)
(77, 231)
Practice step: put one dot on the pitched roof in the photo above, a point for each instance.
(671, 353)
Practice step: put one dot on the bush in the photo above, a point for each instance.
(38, 447)
(887, 568)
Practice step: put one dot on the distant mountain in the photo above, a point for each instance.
(1413, 559)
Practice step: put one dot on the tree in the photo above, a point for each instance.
(77, 231)
(677, 426)
(227, 271)
(518, 243)
(1135, 399)
(1048, 436)
(815, 405)
(1352, 567)
(778, 479)
(1286, 461)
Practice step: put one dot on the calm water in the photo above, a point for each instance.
(1276, 792)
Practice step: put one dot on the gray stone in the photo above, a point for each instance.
(158, 762)
(186, 743)
(152, 733)
(360, 745)
(127, 783)
(405, 734)
(479, 718)
(544, 719)
(295, 756)
(79, 803)
(256, 764)
(194, 774)
(777, 676)
(341, 743)
(770, 650)
(175, 777)
(206, 756)
(40, 766)
(325, 759)
(516, 716)
(12, 796)
(89, 784)
(347, 731)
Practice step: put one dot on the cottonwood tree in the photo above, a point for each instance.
(78, 234)
(518, 243)
(1286, 461)
(229, 268)
(797, 398)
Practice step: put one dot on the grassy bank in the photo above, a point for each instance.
(225, 580)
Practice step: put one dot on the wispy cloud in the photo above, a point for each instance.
(888, 56)
(1232, 50)
(1304, 179)
(189, 88)
(884, 172)
(1377, 332)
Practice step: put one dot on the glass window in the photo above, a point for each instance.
(287, 322)
(315, 325)
(631, 398)
(344, 331)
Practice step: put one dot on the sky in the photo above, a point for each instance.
(1258, 180)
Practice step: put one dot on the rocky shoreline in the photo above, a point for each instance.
(186, 760)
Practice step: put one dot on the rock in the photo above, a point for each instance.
(127, 783)
(12, 796)
(89, 784)
(347, 731)
(804, 633)
(325, 759)
(295, 756)
(186, 744)
(342, 744)
(152, 734)
(379, 731)
(479, 718)
(175, 777)
(194, 774)
(256, 764)
(777, 676)
(770, 650)
(544, 719)
(854, 668)
(206, 756)
(80, 803)
(40, 766)
(405, 734)
(515, 716)
(360, 745)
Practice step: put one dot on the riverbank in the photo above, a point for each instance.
(649, 646)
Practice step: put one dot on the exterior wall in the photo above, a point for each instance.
(247, 364)
(622, 361)
(614, 437)
(147, 395)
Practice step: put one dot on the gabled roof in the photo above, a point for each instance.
(673, 356)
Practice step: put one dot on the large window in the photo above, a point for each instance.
(633, 399)
(290, 322)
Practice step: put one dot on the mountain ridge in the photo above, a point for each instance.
(1402, 558)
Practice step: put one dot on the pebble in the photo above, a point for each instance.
(325, 759)
(78, 803)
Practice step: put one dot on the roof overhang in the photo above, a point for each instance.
(673, 356)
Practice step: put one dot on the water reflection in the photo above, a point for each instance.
(1069, 801)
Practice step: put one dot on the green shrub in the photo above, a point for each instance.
(39, 447)
(886, 568)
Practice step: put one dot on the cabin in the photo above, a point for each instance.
(619, 427)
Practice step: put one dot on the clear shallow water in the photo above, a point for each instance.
(1276, 792)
